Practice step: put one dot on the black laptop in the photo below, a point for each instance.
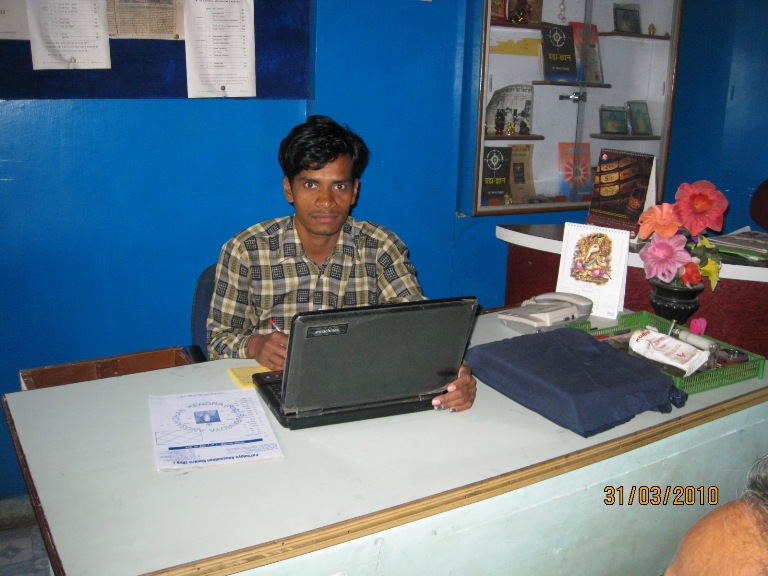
(366, 362)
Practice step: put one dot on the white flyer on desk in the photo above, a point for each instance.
(192, 430)
(593, 264)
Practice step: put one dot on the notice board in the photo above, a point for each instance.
(157, 68)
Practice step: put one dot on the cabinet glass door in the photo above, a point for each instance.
(561, 82)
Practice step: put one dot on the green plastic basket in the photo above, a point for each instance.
(698, 382)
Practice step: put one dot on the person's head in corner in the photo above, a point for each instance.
(322, 164)
(732, 540)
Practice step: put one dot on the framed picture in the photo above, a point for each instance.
(499, 10)
(613, 120)
(639, 119)
(626, 18)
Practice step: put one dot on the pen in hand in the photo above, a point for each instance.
(275, 326)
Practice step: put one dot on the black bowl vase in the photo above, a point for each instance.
(674, 302)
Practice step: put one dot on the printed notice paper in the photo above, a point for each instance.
(193, 430)
(68, 35)
(593, 264)
(13, 20)
(220, 48)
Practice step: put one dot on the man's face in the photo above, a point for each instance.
(322, 198)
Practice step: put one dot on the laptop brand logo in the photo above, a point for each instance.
(330, 330)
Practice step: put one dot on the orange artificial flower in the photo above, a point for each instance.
(660, 220)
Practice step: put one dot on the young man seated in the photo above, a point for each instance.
(318, 258)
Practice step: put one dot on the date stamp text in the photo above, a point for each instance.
(660, 495)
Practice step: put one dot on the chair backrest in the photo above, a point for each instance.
(758, 206)
(201, 304)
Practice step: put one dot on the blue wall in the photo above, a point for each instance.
(111, 208)
(719, 125)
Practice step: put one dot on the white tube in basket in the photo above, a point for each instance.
(663, 348)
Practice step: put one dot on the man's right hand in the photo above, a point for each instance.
(269, 349)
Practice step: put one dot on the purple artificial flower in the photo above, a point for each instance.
(662, 257)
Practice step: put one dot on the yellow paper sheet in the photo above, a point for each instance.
(243, 375)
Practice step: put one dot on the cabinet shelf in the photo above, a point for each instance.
(599, 136)
(635, 35)
(563, 83)
(496, 137)
(504, 24)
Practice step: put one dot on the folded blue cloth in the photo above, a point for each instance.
(574, 380)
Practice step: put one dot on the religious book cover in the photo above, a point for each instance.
(575, 177)
(593, 264)
(494, 187)
(620, 189)
(521, 188)
(589, 66)
(558, 54)
(498, 10)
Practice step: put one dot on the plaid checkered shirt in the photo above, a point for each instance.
(263, 272)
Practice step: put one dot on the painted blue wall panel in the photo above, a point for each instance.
(389, 70)
(111, 208)
(719, 121)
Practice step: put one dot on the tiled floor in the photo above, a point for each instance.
(22, 552)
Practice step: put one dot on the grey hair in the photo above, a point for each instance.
(756, 489)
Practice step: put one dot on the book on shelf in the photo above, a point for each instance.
(750, 244)
(521, 188)
(510, 110)
(575, 171)
(593, 263)
(589, 66)
(507, 176)
(558, 54)
(494, 187)
(624, 186)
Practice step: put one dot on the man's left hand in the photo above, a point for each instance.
(460, 394)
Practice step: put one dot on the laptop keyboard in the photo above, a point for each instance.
(271, 381)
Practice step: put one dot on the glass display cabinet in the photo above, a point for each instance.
(562, 81)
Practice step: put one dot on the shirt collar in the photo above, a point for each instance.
(293, 248)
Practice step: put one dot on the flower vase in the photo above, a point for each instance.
(674, 302)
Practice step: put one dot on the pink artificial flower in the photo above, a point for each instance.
(662, 257)
(700, 206)
(660, 220)
(698, 326)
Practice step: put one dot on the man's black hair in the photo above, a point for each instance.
(320, 140)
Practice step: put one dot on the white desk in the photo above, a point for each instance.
(344, 492)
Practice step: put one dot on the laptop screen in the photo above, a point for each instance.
(386, 353)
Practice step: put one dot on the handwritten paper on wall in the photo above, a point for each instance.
(159, 19)
(220, 48)
(68, 34)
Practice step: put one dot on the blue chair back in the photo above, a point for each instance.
(201, 304)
